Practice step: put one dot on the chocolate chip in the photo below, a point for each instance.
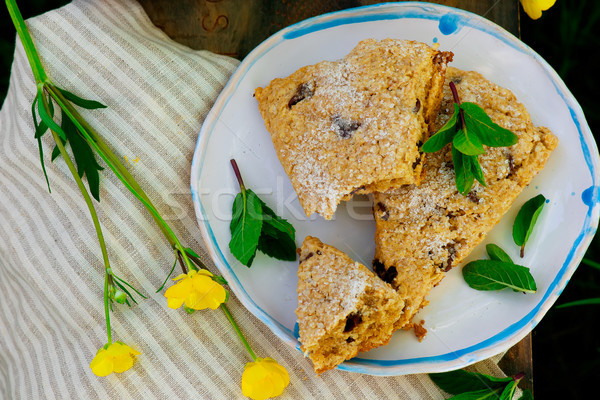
(344, 127)
(473, 197)
(319, 252)
(511, 165)
(417, 107)
(390, 274)
(352, 321)
(386, 275)
(451, 256)
(304, 90)
(309, 255)
(417, 161)
(350, 339)
(378, 267)
(385, 215)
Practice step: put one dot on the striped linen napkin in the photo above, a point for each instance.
(158, 92)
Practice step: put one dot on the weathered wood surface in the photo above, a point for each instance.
(235, 27)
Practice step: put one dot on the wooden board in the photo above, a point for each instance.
(234, 27)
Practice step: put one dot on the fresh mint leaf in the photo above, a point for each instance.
(496, 253)
(277, 237)
(476, 169)
(498, 275)
(467, 142)
(527, 395)
(509, 391)
(281, 247)
(444, 136)
(261, 229)
(273, 224)
(468, 129)
(483, 394)
(482, 126)
(461, 381)
(463, 173)
(526, 219)
(246, 225)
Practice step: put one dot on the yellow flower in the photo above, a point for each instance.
(264, 378)
(534, 8)
(116, 357)
(196, 290)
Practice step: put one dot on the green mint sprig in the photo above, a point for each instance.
(499, 272)
(465, 385)
(468, 129)
(526, 219)
(254, 226)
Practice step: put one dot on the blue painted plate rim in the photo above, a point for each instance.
(409, 9)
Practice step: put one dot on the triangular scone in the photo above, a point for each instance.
(423, 231)
(343, 308)
(354, 125)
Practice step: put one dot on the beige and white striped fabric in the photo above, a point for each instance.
(51, 310)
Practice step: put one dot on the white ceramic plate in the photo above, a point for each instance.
(464, 325)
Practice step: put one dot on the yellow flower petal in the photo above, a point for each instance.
(534, 8)
(197, 291)
(264, 378)
(102, 364)
(118, 357)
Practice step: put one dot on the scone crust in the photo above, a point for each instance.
(422, 231)
(343, 308)
(354, 125)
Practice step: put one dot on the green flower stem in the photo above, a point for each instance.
(96, 221)
(113, 162)
(32, 55)
(88, 133)
(590, 263)
(237, 330)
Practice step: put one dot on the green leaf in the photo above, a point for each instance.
(509, 391)
(84, 157)
(48, 115)
(526, 219)
(246, 226)
(584, 302)
(273, 224)
(483, 394)
(461, 381)
(476, 169)
(496, 253)
(479, 124)
(281, 247)
(83, 103)
(527, 395)
(278, 236)
(498, 275)
(467, 142)
(191, 252)
(463, 172)
(39, 131)
(443, 136)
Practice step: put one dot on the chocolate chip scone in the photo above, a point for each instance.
(422, 231)
(343, 308)
(354, 125)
